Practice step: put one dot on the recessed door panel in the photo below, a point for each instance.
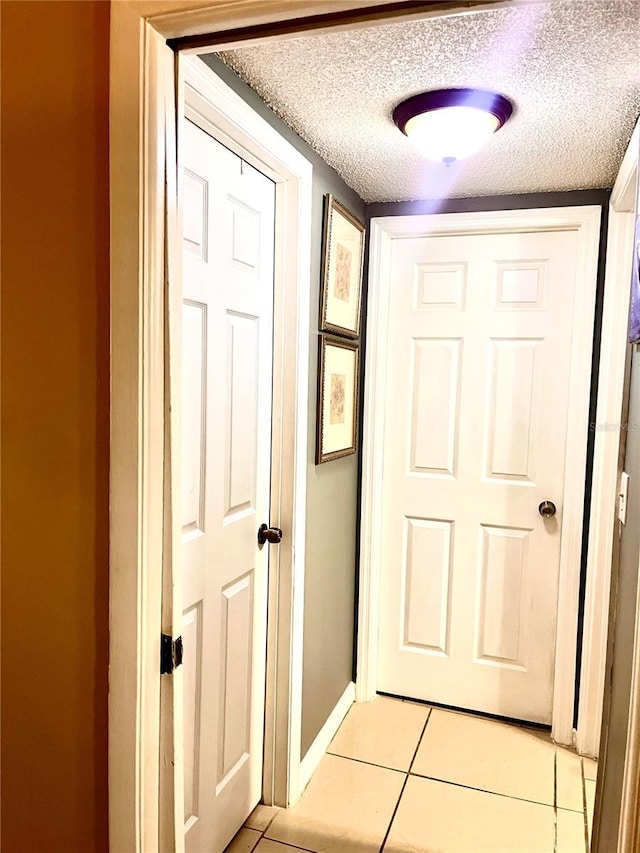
(521, 287)
(435, 394)
(440, 287)
(502, 605)
(192, 686)
(241, 409)
(512, 422)
(235, 680)
(245, 236)
(428, 554)
(194, 391)
(196, 212)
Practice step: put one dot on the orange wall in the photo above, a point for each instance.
(55, 415)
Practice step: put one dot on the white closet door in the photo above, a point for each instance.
(477, 406)
(226, 452)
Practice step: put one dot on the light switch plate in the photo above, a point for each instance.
(623, 491)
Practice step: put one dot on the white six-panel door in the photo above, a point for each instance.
(226, 457)
(479, 345)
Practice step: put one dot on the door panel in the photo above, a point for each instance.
(436, 394)
(512, 410)
(192, 642)
(241, 413)
(235, 682)
(194, 385)
(479, 341)
(502, 618)
(427, 583)
(226, 452)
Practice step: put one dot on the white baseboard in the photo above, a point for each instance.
(325, 736)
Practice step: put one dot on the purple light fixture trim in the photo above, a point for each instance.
(480, 99)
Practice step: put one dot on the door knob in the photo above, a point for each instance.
(547, 509)
(272, 535)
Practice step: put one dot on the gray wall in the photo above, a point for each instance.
(331, 488)
(622, 619)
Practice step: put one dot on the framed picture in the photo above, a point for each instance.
(337, 419)
(634, 314)
(343, 255)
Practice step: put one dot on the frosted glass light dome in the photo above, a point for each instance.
(451, 124)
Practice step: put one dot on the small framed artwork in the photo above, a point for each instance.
(341, 286)
(337, 419)
(634, 314)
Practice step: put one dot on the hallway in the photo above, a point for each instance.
(400, 777)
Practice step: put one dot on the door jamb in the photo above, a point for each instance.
(627, 197)
(586, 222)
(602, 523)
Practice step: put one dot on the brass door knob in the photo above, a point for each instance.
(547, 509)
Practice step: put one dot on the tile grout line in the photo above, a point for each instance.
(424, 728)
(555, 800)
(560, 808)
(404, 784)
(585, 815)
(263, 832)
(276, 841)
(393, 814)
(286, 844)
(368, 763)
(487, 791)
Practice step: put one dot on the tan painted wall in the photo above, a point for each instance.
(55, 413)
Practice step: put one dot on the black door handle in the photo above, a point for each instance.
(272, 535)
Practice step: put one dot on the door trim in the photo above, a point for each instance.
(384, 230)
(615, 320)
(625, 204)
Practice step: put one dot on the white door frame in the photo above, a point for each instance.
(615, 320)
(625, 206)
(586, 222)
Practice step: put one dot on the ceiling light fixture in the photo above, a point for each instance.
(450, 124)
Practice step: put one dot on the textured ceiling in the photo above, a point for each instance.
(571, 67)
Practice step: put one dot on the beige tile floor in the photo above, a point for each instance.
(400, 777)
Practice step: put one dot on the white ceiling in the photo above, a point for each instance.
(572, 68)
